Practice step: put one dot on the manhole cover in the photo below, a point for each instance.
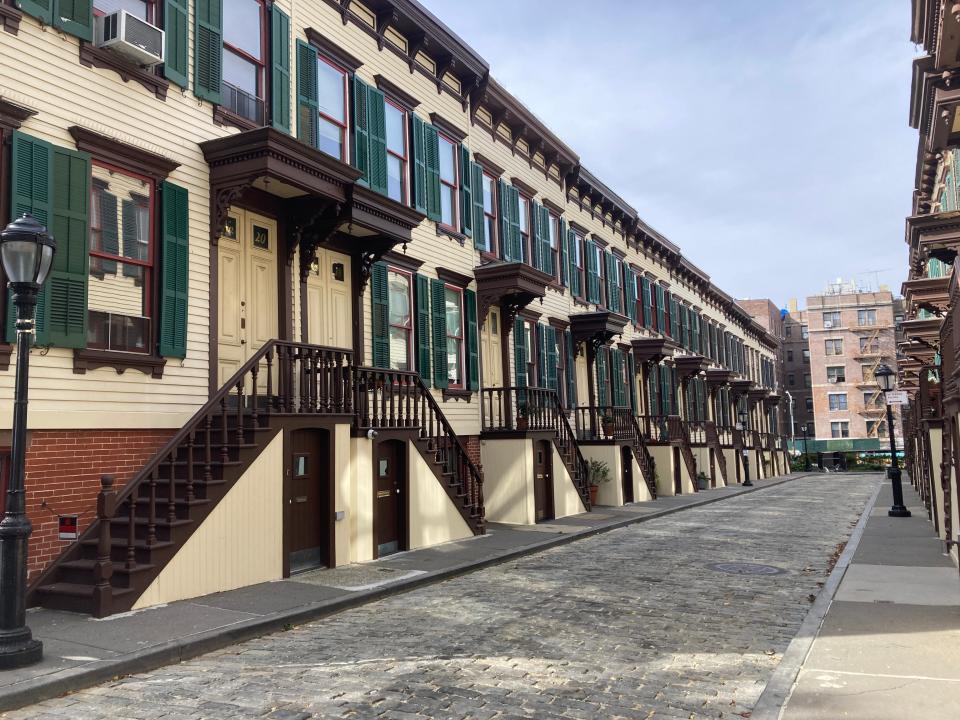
(745, 568)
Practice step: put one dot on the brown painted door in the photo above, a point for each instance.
(626, 460)
(310, 519)
(543, 480)
(390, 484)
(677, 482)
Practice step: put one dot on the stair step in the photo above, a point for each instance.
(122, 543)
(77, 590)
(118, 568)
(160, 521)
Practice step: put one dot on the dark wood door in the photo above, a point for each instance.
(389, 500)
(677, 482)
(543, 480)
(310, 520)
(626, 460)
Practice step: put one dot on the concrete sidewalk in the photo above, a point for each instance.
(889, 645)
(80, 651)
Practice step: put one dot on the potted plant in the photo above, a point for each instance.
(606, 422)
(703, 483)
(598, 472)
(523, 422)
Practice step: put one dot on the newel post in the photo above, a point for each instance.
(103, 567)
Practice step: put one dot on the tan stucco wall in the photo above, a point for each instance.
(640, 490)
(354, 495)
(936, 451)
(608, 493)
(508, 480)
(433, 518)
(663, 457)
(225, 552)
(566, 499)
(732, 461)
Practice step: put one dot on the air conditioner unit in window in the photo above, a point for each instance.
(831, 380)
(828, 324)
(130, 36)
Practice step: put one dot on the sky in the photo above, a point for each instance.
(769, 139)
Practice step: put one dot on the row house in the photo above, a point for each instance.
(324, 291)
(928, 342)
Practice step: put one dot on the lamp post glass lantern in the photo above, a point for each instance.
(744, 416)
(886, 380)
(27, 251)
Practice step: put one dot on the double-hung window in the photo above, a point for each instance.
(400, 289)
(244, 50)
(601, 266)
(524, 206)
(833, 347)
(866, 317)
(831, 319)
(804, 332)
(867, 371)
(836, 374)
(554, 231)
(396, 124)
(449, 185)
(837, 401)
(332, 102)
(806, 355)
(453, 300)
(577, 250)
(138, 8)
(490, 213)
(119, 308)
(840, 429)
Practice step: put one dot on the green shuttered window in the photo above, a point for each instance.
(176, 18)
(207, 49)
(370, 135)
(74, 17)
(422, 301)
(520, 353)
(380, 315)
(308, 105)
(279, 69)
(564, 242)
(426, 168)
(550, 361)
(571, 370)
(479, 219)
(473, 340)
(439, 326)
(603, 379)
(175, 277)
(466, 193)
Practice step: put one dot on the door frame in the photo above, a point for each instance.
(288, 429)
(626, 471)
(677, 472)
(550, 499)
(404, 533)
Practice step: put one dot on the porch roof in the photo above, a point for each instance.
(652, 349)
(596, 327)
(512, 285)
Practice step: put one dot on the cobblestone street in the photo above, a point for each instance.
(629, 624)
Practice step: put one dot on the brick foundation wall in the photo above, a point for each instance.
(472, 443)
(63, 478)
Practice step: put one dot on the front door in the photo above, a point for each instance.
(247, 288)
(309, 520)
(543, 480)
(626, 459)
(330, 300)
(677, 480)
(491, 352)
(390, 481)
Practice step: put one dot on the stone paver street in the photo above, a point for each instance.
(629, 624)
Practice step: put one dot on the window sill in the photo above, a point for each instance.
(226, 117)
(457, 394)
(449, 232)
(581, 303)
(6, 350)
(85, 359)
(92, 56)
(10, 17)
(554, 285)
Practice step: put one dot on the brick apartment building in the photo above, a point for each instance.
(796, 370)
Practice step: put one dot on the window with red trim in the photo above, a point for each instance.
(332, 98)
(449, 183)
(601, 274)
(400, 290)
(577, 251)
(396, 120)
(490, 213)
(554, 231)
(453, 298)
(244, 52)
(524, 215)
(120, 286)
(143, 9)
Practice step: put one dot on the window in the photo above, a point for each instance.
(396, 122)
(399, 287)
(876, 428)
(872, 398)
(836, 373)
(789, 355)
(840, 429)
(787, 330)
(453, 297)
(601, 266)
(837, 401)
(554, 231)
(137, 8)
(524, 206)
(898, 319)
(866, 317)
(833, 347)
(448, 183)
(867, 371)
(831, 319)
(808, 402)
(791, 379)
(243, 59)
(577, 251)
(806, 355)
(121, 261)
(804, 332)
(332, 100)
(870, 345)
(490, 213)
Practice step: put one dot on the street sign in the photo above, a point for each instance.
(897, 397)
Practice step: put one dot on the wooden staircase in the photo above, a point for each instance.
(140, 529)
(645, 460)
(713, 442)
(680, 437)
(565, 441)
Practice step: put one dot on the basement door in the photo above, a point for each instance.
(309, 525)
(543, 480)
(389, 500)
(247, 297)
(626, 460)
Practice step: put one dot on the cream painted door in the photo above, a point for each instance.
(329, 300)
(583, 385)
(491, 350)
(247, 288)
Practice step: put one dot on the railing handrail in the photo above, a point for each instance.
(564, 423)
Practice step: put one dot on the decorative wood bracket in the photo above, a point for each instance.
(221, 198)
(312, 229)
(345, 10)
(384, 19)
(414, 45)
(444, 64)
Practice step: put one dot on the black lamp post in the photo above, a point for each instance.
(744, 416)
(27, 252)
(806, 455)
(886, 379)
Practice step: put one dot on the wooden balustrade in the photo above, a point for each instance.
(505, 409)
(603, 422)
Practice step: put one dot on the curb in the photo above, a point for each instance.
(36, 690)
(773, 699)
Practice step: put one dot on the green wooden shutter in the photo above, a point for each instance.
(551, 359)
(422, 302)
(380, 315)
(614, 300)
(593, 272)
(175, 271)
(473, 340)
(616, 378)
(645, 297)
(40, 9)
(128, 232)
(536, 241)
(110, 233)
(653, 391)
(564, 253)
(519, 353)
(431, 146)
(419, 165)
(466, 193)
(361, 130)
(666, 406)
(503, 206)
(280, 69)
(67, 285)
(479, 219)
(176, 19)
(603, 396)
(207, 49)
(574, 272)
(377, 127)
(658, 312)
(632, 376)
(571, 369)
(541, 341)
(308, 104)
(516, 240)
(31, 191)
(74, 17)
(438, 307)
(631, 278)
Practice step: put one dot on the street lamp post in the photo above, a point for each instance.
(886, 379)
(744, 417)
(806, 454)
(27, 252)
